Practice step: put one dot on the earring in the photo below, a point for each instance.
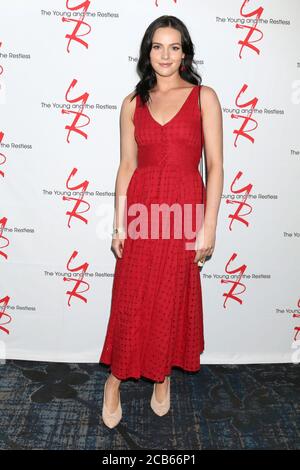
(182, 67)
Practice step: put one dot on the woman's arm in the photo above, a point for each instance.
(213, 148)
(128, 163)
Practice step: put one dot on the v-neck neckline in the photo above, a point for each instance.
(178, 112)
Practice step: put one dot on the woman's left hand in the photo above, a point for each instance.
(205, 243)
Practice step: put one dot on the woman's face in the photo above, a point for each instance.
(166, 49)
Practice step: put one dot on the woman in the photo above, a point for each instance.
(156, 320)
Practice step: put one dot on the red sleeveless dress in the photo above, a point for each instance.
(156, 318)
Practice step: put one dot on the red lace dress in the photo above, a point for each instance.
(156, 318)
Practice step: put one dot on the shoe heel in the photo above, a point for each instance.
(111, 419)
(161, 408)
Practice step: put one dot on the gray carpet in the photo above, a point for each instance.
(57, 406)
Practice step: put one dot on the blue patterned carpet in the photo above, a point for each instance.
(58, 406)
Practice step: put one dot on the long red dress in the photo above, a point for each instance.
(156, 319)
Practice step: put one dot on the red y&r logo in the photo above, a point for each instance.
(1, 154)
(78, 281)
(251, 29)
(78, 114)
(251, 104)
(78, 24)
(2, 225)
(237, 215)
(297, 328)
(3, 304)
(83, 187)
(235, 283)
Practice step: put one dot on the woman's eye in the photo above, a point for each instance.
(175, 48)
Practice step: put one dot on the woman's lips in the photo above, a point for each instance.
(165, 65)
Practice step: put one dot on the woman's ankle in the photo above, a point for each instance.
(113, 380)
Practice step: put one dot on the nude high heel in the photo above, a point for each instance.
(111, 419)
(161, 408)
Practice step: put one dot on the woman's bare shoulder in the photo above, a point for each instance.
(208, 94)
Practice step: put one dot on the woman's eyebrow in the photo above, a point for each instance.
(172, 44)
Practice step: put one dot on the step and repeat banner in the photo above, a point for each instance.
(65, 68)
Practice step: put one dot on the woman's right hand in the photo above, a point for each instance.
(117, 244)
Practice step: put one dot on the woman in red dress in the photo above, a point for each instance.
(156, 318)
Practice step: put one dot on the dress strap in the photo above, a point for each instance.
(137, 104)
(199, 95)
(199, 104)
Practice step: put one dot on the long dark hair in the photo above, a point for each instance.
(144, 67)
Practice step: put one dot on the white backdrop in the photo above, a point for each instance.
(56, 264)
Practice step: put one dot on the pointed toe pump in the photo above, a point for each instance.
(111, 419)
(161, 408)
